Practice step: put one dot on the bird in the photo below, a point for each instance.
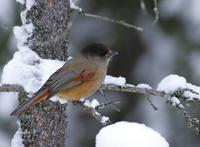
(80, 77)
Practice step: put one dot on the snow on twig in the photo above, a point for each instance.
(173, 88)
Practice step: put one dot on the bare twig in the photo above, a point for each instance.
(151, 103)
(120, 22)
(143, 7)
(104, 120)
(156, 12)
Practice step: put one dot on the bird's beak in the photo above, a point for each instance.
(114, 53)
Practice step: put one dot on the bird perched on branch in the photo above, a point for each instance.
(77, 78)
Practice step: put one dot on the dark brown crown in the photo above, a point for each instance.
(96, 50)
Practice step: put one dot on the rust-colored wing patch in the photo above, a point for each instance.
(87, 75)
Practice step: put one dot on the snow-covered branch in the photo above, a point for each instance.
(181, 94)
(173, 88)
(93, 107)
(14, 88)
(11, 88)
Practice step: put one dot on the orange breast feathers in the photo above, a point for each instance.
(90, 82)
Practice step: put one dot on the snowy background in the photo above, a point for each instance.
(172, 46)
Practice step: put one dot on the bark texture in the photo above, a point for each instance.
(44, 125)
(51, 19)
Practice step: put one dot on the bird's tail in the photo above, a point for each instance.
(32, 101)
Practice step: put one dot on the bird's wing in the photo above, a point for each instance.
(67, 77)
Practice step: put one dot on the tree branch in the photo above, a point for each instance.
(175, 99)
(14, 88)
(104, 120)
(155, 10)
(11, 88)
(149, 91)
(120, 22)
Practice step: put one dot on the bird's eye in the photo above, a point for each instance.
(103, 54)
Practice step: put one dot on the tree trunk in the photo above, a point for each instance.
(45, 124)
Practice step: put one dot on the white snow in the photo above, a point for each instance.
(191, 95)
(144, 86)
(175, 101)
(74, 6)
(129, 134)
(29, 4)
(21, 1)
(22, 33)
(104, 119)
(29, 70)
(172, 83)
(94, 103)
(120, 81)
(17, 138)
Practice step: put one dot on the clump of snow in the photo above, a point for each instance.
(128, 134)
(60, 99)
(194, 93)
(87, 103)
(29, 4)
(29, 70)
(175, 101)
(93, 104)
(172, 83)
(21, 1)
(17, 138)
(21, 70)
(74, 6)
(22, 33)
(144, 86)
(120, 81)
(104, 119)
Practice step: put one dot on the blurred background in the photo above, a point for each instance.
(170, 46)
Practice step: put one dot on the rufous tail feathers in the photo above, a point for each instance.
(32, 101)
